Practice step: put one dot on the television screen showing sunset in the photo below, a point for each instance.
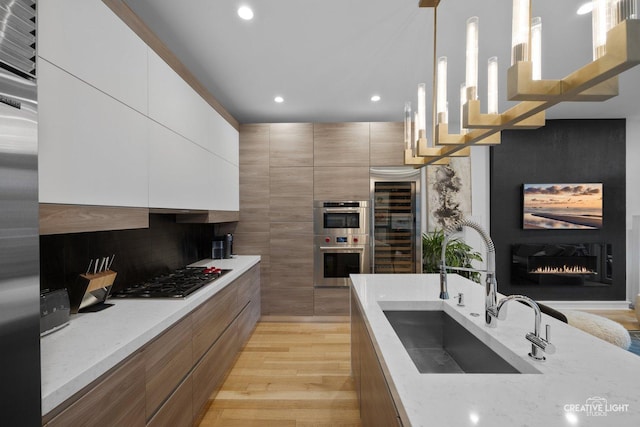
(562, 206)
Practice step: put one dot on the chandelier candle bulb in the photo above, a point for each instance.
(422, 108)
(520, 31)
(407, 126)
(472, 58)
(441, 93)
(463, 100)
(602, 22)
(416, 131)
(492, 85)
(536, 48)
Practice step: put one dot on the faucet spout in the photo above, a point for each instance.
(537, 342)
(491, 284)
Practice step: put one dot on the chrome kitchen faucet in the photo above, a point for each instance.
(491, 285)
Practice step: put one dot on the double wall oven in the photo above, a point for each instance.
(341, 241)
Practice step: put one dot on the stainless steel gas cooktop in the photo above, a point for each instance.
(177, 284)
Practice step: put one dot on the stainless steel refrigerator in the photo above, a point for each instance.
(20, 400)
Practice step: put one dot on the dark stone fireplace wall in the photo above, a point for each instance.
(563, 151)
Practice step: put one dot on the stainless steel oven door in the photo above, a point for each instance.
(334, 260)
(341, 218)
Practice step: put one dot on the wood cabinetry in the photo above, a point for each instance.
(341, 183)
(178, 409)
(168, 360)
(118, 399)
(212, 318)
(386, 144)
(377, 407)
(331, 301)
(210, 372)
(341, 144)
(170, 380)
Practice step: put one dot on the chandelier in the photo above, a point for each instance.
(616, 48)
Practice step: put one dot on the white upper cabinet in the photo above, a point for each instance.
(176, 105)
(92, 148)
(85, 38)
(180, 172)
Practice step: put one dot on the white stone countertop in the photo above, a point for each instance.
(583, 368)
(92, 343)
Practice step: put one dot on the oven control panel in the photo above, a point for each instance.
(345, 240)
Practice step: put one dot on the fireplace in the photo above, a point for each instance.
(561, 264)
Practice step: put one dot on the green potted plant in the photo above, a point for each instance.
(458, 254)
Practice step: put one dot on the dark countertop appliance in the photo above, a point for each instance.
(222, 247)
(177, 284)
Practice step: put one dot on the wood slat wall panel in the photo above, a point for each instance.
(291, 144)
(341, 144)
(341, 183)
(62, 219)
(387, 144)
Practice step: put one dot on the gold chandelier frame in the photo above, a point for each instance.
(595, 81)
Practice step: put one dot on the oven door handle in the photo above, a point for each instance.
(346, 210)
(341, 248)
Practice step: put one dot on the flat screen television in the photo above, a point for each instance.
(562, 206)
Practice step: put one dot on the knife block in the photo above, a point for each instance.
(91, 289)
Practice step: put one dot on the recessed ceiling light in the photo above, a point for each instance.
(375, 98)
(585, 8)
(279, 99)
(245, 13)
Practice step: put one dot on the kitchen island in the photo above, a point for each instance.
(587, 382)
(93, 344)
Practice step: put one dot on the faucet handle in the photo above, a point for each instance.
(542, 343)
(460, 297)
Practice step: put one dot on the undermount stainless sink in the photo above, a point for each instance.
(438, 344)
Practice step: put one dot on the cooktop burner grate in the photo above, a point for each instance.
(177, 284)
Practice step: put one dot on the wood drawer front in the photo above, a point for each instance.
(177, 411)
(212, 318)
(209, 374)
(331, 302)
(244, 284)
(118, 400)
(168, 360)
(246, 323)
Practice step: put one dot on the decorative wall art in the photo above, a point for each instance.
(562, 206)
(448, 193)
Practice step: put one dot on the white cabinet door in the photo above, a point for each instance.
(176, 105)
(85, 38)
(180, 172)
(183, 175)
(92, 148)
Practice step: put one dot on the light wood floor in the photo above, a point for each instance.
(289, 374)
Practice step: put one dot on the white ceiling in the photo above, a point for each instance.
(327, 58)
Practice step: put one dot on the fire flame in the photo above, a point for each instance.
(565, 269)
